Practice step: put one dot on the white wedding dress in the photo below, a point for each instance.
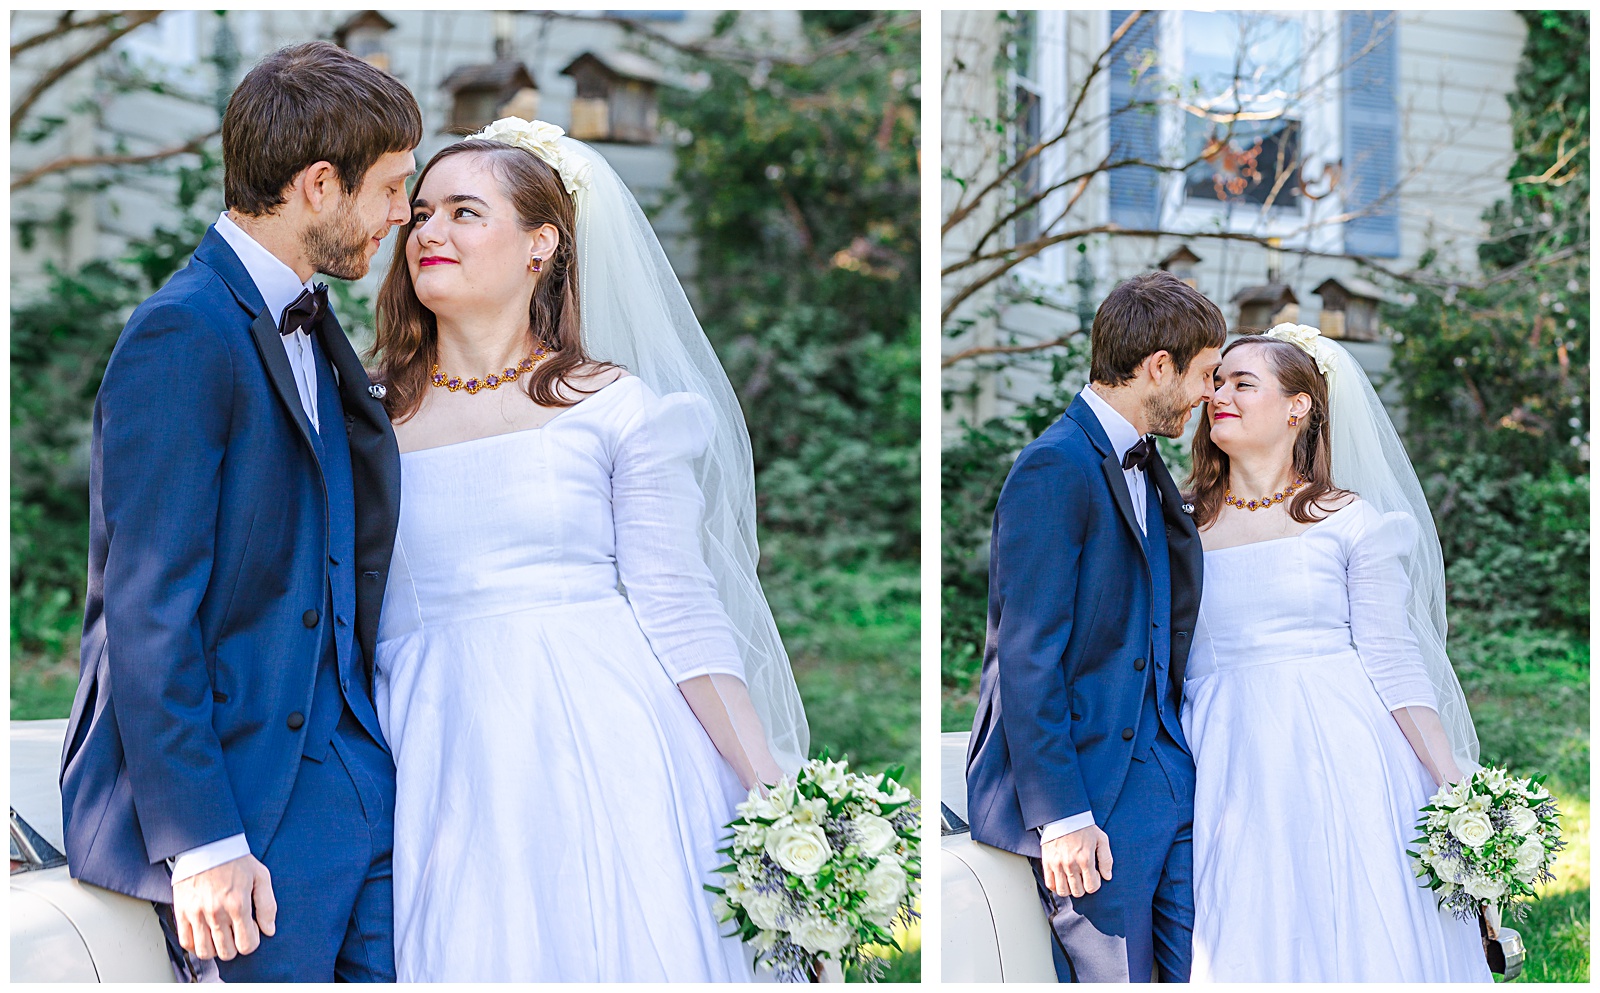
(1307, 791)
(559, 806)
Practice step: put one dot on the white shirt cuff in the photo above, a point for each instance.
(1065, 826)
(198, 860)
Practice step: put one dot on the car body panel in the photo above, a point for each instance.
(62, 929)
(45, 947)
(994, 928)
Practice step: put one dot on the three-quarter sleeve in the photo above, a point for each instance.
(1379, 591)
(657, 508)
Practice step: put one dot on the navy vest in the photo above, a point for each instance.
(1160, 706)
(341, 672)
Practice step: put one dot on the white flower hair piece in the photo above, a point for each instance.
(542, 139)
(1309, 340)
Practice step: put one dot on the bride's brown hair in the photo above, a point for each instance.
(1296, 372)
(407, 346)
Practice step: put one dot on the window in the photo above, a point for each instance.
(1241, 113)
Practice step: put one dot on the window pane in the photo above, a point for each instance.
(1242, 71)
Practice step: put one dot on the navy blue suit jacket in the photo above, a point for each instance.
(1070, 604)
(209, 576)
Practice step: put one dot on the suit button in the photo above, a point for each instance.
(297, 720)
(309, 618)
(1138, 665)
(1127, 734)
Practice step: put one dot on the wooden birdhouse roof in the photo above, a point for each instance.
(616, 65)
(361, 19)
(1179, 256)
(1273, 293)
(1351, 287)
(504, 76)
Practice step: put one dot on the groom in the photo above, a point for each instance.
(223, 756)
(1077, 758)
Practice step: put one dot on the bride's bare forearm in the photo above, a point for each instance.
(723, 706)
(1425, 732)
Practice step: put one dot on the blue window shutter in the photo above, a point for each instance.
(1371, 132)
(1135, 190)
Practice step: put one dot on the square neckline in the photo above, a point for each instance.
(1287, 537)
(521, 431)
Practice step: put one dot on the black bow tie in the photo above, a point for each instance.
(307, 311)
(1138, 457)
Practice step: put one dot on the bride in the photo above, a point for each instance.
(576, 668)
(1319, 703)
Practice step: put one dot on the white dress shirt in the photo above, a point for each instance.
(1123, 437)
(279, 286)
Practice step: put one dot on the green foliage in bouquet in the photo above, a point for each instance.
(1486, 842)
(821, 866)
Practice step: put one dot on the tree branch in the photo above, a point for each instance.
(65, 25)
(980, 350)
(83, 161)
(42, 85)
(964, 207)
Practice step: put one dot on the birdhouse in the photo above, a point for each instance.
(616, 97)
(364, 35)
(1181, 263)
(1349, 308)
(481, 94)
(1262, 307)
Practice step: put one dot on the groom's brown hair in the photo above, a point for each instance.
(306, 104)
(1150, 313)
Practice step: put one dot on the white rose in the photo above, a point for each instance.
(1530, 857)
(1485, 888)
(763, 909)
(1523, 821)
(885, 886)
(1471, 827)
(1449, 870)
(801, 849)
(876, 834)
(816, 936)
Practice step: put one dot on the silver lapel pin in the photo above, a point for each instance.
(378, 391)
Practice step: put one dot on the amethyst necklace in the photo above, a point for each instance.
(494, 380)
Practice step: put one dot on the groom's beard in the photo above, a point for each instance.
(1167, 412)
(338, 247)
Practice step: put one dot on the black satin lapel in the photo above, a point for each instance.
(1187, 561)
(270, 344)
(1112, 467)
(375, 477)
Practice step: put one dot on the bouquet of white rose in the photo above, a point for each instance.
(1486, 841)
(821, 865)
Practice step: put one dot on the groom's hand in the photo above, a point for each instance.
(1075, 863)
(225, 910)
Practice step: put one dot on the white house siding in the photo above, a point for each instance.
(1456, 68)
(424, 48)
